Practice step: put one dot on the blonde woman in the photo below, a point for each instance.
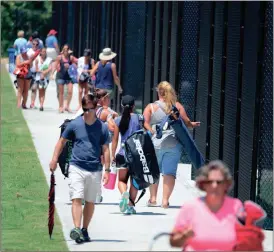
(168, 149)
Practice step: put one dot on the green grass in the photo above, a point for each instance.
(24, 219)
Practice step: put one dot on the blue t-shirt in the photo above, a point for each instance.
(134, 125)
(19, 43)
(88, 140)
(50, 41)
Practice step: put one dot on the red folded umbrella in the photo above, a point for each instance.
(51, 198)
(249, 236)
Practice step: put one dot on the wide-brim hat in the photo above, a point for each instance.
(107, 54)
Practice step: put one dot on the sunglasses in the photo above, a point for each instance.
(210, 182)
(88, 109)
(35, 44)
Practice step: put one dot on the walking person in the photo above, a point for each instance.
(85, 170)
(106, 73)
(52, 45)
(23, 82)
(33, 85)
(85, 64)
(209, 223)
(63, 62)
(128, 123)
(19, 43)
(168, 149)
(43, 68)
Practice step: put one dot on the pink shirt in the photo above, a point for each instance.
(212, 231)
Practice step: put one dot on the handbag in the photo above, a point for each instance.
(21, 72)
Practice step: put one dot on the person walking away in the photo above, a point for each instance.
(106, 73)
(33, 86)
(29, 43)
(63, 61)
(128, 123)
(19, 43)
(23, 60)
(85, 170)
(52, 45)
(53, 49)
(168, 149)
(85, 64)
(43, 68)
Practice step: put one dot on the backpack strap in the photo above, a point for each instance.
(99, 112)
(141, 120)
(141, 196)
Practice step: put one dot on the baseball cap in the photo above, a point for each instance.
(87, 52)
(52, 32)
(128, 100)
(23, 49)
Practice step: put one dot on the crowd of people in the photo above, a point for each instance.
(206, 223)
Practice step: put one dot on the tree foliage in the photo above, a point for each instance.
(27, 16)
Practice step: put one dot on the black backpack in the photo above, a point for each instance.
(142, 161)
(65, 155)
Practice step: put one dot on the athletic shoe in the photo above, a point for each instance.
(85, 235)
(130, 210)
(123, 202)
(76, 235)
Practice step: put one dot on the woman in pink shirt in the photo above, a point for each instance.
(208, 223)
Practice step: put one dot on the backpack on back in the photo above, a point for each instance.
(141, 160)
(64, 157)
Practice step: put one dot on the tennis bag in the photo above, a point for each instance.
(142, 161)
(65, 155)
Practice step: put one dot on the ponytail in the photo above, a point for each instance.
(124, 123)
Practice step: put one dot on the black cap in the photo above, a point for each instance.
(128, 100)
(87, 52)
(35, 35)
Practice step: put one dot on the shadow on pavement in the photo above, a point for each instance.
(104, 240)
(140, 213)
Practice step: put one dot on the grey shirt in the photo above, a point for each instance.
(168, 139)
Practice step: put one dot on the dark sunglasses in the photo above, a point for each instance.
(210, 182)
(88, 109)
(35, 44)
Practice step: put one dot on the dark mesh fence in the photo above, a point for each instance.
(188, 62)
(134, 51)
(265, 151)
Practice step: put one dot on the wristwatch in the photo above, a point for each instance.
(107, 170)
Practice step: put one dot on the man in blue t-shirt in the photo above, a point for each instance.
(91, 138)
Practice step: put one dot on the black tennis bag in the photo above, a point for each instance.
(65, 155)
(142, 161)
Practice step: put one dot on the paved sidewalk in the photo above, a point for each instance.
(109, 230)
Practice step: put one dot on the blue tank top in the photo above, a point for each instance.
(104, 77)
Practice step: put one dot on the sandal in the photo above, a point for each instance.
(152, 204)
(165, 206)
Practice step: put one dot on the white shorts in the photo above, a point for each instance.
(84, 184)
(51, 52)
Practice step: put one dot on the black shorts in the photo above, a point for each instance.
(121, 161)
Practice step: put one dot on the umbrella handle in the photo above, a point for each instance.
(156, 237)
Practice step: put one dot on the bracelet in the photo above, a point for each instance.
(107, 170)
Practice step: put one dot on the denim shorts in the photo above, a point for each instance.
(168, 159)
(63, 82)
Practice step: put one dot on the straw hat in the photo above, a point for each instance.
(107, 54)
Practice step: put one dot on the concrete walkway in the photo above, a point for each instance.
(109, 229)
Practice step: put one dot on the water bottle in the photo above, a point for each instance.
(112, 177)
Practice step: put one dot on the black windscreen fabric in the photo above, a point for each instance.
(248, 97)
(217, 80)
(203, 75)
(232, 82)
(188, 61)
(134, 51)
(265, 150)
